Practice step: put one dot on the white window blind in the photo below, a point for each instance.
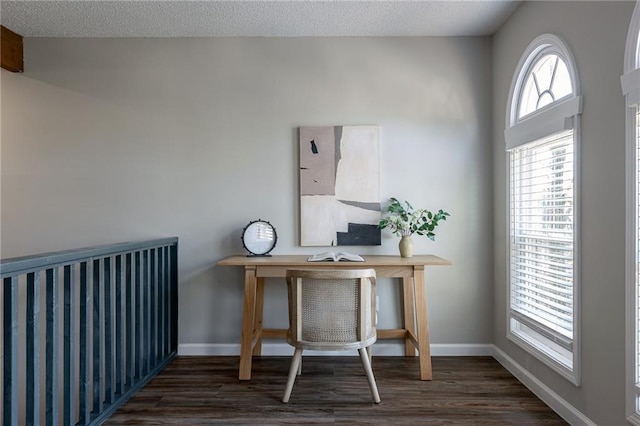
(542, 241)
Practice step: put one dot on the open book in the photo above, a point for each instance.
(335, 256)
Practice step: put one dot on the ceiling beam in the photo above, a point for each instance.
(11, 48)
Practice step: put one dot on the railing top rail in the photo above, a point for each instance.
(23, 264)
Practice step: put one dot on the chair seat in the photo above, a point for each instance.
(332, 346)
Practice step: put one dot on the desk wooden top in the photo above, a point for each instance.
(301, 260)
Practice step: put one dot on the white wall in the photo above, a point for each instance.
(596, 33)
(107, 140)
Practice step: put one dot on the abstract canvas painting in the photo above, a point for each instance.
(339, 185)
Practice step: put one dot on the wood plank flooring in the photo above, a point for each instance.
(464, 391)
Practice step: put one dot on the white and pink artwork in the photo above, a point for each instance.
(339, 186)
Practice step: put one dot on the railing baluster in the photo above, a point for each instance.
(84, 350)
(153, 307)
(138, 314)
(119, 370)
(147, 312)
(129, 328)
(51, 391)
(167, 299)
(108, 333)
(97, 334)
(69, 369)
(173, 295)
(10, 368)
(32, 402)
(161, 301)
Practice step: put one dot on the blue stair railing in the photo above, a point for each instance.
(85, 329)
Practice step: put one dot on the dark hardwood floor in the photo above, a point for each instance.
(464, 391)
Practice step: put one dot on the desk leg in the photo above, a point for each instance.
(409, 315)
(422, 323)
(248, 322)
(257, 325)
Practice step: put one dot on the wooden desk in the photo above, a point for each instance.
(410, 270)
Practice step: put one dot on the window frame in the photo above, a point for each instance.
(630, 82)
(562, 114)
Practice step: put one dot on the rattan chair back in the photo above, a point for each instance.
(332, 310)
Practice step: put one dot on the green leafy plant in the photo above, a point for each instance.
(404, 220)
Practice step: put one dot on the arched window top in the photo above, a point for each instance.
(546, 82)
(546, 76)
(544, 94)
(632, 51)
(631, 78)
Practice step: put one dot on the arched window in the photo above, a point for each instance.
(631, 89)
(546, 82)
(542, 138)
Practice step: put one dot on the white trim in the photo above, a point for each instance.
(577, 253)
(379, 349)
(630, 83)
(630, 272)
(558, 404)
(544, 123)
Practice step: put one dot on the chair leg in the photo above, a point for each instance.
(293, 371)
(369, 354)
(364, 357)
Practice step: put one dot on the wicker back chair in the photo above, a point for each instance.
(332, 310)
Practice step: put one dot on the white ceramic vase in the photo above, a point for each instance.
(406, 246)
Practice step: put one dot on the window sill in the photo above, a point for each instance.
(533, 348)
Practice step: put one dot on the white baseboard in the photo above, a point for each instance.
(565, 410)
(379, 349)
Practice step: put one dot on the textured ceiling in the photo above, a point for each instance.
(134, 18)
